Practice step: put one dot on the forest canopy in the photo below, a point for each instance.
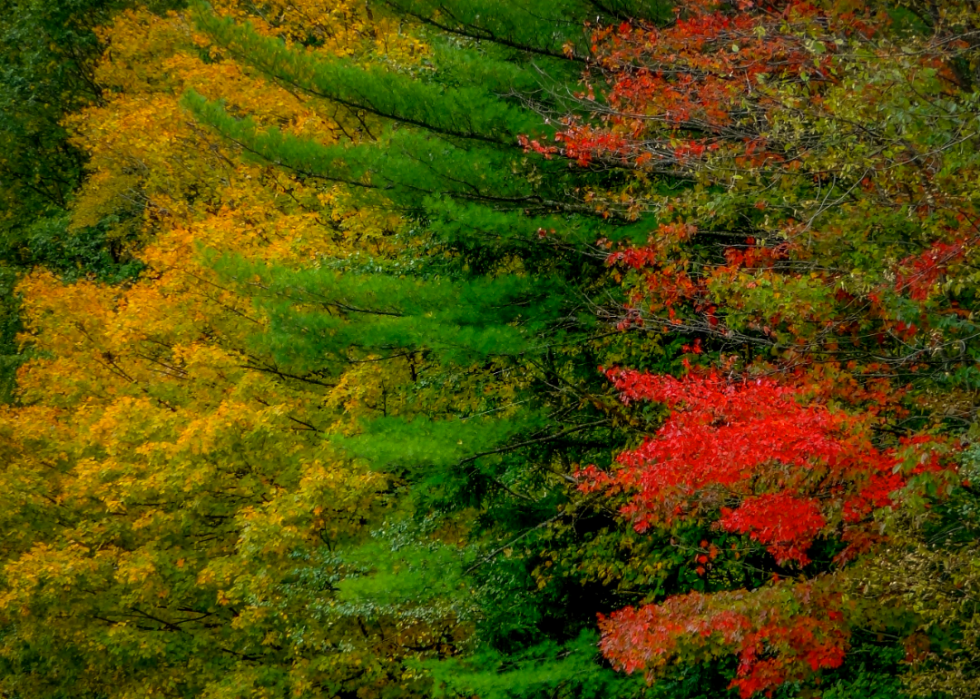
(557, 349)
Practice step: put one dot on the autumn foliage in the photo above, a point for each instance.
(750, 456)
(815, 327)
(308, 403)
(780, 634)
(773, 469)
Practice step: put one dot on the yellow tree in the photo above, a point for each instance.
(175, 513)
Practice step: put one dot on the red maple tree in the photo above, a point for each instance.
(783, 231)
(749, 455)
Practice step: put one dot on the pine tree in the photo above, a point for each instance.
(491, 303)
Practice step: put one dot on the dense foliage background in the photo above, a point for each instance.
(477, 348)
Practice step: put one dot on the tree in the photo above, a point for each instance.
(175, 509)
(779, 473)
(490, 300)
(48, 55)
(816, 240)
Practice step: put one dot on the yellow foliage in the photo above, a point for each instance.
(164, 486)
